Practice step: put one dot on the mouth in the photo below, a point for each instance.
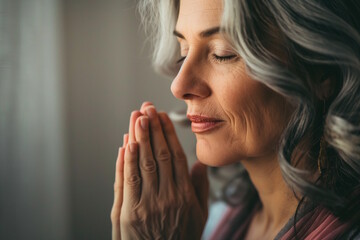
(201, 124)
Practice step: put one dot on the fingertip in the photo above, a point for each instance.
(120, 157)
(119, 151)
(151, 111)
(146, 103)
(122, 153)
(134, 112)
(141, 128)
(125, 139)
(144, 123)
(135, 115)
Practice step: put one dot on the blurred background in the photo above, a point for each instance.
(71, 72)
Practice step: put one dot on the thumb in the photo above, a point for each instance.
(200, 181)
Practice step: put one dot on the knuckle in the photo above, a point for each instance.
(133, 180)
(117, 188)
(163, 155)
(114, 216)
(131, 219)
(149, 165)
(170, 203)
(125, 220)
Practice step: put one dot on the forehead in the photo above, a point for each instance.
(197, 15)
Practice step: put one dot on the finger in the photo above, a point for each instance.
(161, 151)
(133, 117)
(181, 170)
(200, 181)
(132, 180)
(146, 159)
(125, 140)
(119, 174)
(118, 195)
(144, 105)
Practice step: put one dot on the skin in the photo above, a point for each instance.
(254, 115)
(154, 178)
(163, 201)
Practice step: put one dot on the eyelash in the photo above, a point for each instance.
(215, 57)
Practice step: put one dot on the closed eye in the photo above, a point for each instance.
(223, 58)
(216, 58)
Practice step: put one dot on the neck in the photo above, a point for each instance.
(278, 200)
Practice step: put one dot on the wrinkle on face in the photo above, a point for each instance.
(252, 112)
(239, 138)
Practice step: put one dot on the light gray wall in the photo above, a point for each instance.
(108, 74)
(33, 173)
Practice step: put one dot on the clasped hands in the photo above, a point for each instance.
(155, 197)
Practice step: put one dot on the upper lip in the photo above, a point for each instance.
(201, 118)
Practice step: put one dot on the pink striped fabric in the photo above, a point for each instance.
(318, 224)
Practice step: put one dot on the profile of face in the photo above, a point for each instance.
(214, 83)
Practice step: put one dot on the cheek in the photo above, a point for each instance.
(246, 108)
(256, 117)
(265, 118)
(233, 94)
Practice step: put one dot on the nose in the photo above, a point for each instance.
(189, 83)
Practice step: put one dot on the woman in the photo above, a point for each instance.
(272, 84)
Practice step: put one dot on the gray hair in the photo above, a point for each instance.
(312, 35)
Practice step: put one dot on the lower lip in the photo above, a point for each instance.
(201, 127)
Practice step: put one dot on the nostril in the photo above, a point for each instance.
(187, 96)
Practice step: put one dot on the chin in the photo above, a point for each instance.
(214, 156)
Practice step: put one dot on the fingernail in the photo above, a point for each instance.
(132, 147)
(144, 123)
(151, 112)
(124, 138)
(133, 112)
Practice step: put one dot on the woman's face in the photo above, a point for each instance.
(214, 83)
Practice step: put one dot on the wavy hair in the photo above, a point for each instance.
(284, 45)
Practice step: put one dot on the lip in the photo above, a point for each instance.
(200, 124)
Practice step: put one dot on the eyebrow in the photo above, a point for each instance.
(204, 34)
